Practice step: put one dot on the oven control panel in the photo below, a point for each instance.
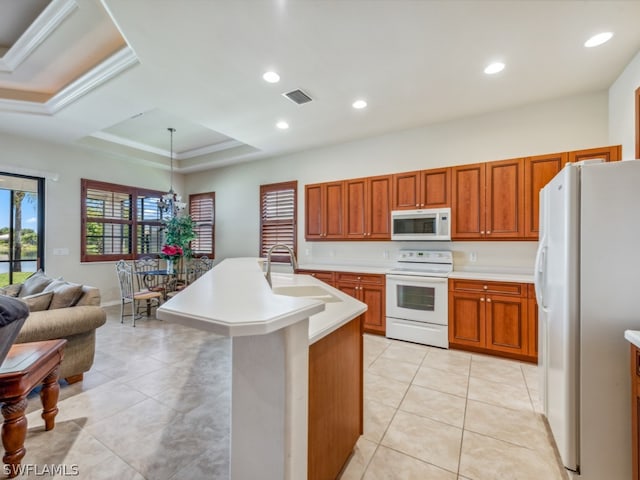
(425, 256)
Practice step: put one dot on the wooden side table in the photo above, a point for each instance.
(26, 366)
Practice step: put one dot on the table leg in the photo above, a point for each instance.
(14, 431)
(49, 398)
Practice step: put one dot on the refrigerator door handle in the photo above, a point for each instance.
(538, 279)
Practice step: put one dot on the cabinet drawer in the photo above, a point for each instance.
(503, 288)
(326, 277)
(360, 278)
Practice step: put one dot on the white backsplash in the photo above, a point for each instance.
(516, 257)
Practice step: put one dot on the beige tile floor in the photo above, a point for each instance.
(155, 406)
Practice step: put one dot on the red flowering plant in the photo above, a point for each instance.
(171, 252)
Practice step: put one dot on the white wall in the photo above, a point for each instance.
(561, 125)
(63, 200)
(622, 116)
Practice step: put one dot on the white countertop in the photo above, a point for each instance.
(633, 336)
(345, 268)
(491, 275)
(234, 299)
(496, 274)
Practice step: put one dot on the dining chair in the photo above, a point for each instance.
(152, 283)
(129, 295)
(198, 267)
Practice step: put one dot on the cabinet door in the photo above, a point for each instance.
(375, 317)
(468, 205)
(379, 208)
(349, 288)
(466, 319)
(435, 188)
(333, 210)
(406, 191)
(313, 196)
(505, 199)
(506, 323)
(356, 195)
(538, 171)
(608, 154)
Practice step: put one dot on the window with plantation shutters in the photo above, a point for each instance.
(202, 209)
(278, 218)
(118, 222)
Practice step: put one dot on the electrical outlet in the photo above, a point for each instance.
(473, 257)
(61, 251)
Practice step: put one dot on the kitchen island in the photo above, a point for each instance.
(271, 332)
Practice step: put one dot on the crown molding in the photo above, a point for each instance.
(112, 66)
(196, 152)
(38, 31)
(216, 147)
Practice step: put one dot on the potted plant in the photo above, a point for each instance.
(179, 231)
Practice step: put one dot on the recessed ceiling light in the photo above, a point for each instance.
(598, 39)
(271, 77)
(282, 125)
(494, 67)
(359, 104)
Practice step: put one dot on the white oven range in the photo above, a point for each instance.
(417, 299)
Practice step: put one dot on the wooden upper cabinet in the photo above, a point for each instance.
(356, 196)
(538, 171)
(504, 199)
(422, 189)
(368, 208)
(608, 154)
(468, 201)
(379, 208)
(324, 211)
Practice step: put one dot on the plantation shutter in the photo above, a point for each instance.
(202, 208)
(278, 218)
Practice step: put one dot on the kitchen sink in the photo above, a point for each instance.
(307, 291)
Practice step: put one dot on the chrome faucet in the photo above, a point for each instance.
(294, 262)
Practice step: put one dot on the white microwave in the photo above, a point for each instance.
(426, 224)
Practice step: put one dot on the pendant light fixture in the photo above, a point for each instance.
(171, 203)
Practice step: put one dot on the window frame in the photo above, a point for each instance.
(133, 222)
(290, 185)
(212, 196)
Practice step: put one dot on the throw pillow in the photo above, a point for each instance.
(11, 290)
(36, 283)
(65, 294)
(38, 301)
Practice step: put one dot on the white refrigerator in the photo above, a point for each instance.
(587, 278)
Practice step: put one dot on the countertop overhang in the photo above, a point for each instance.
(234, 299)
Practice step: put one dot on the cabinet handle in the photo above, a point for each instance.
(481, 232)
(359, 278)
(417, 204)
(485, 287)
(488, 300)
(488, 232)
(482, 299)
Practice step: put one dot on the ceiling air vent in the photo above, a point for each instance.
(298, 96)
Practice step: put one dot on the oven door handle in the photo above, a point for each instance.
(417, 279)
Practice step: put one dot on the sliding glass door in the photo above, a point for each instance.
(21, 227)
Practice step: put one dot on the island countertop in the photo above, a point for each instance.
(234, 299)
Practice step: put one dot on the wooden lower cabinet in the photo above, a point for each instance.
(490, 317)
(635, 411)
(370, 289)
(335, 400)
(326, 277)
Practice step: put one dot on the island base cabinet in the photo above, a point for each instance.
(335, 400)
